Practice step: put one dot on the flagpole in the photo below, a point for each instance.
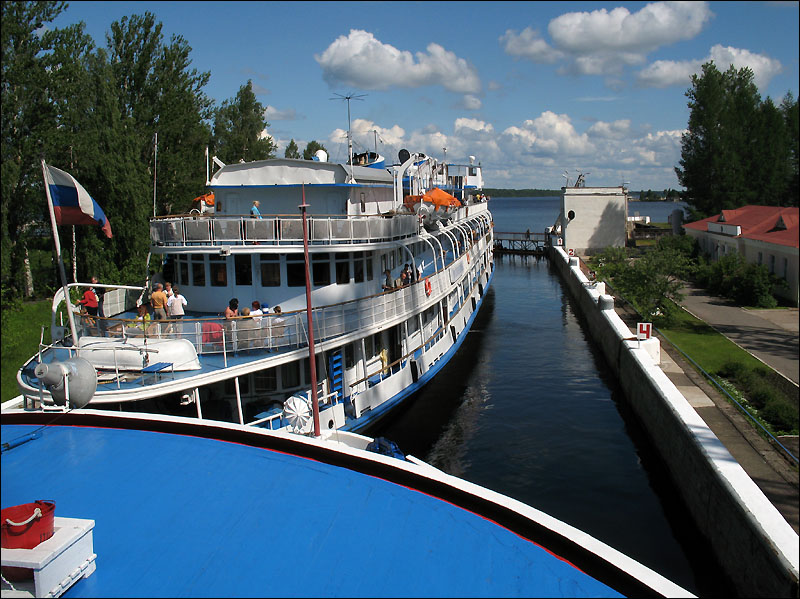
(58, 255)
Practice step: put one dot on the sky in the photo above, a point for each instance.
(536, 91)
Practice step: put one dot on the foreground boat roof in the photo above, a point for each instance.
(188, 510)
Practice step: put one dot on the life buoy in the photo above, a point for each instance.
(427, 286)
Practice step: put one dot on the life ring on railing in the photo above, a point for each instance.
(428, 288)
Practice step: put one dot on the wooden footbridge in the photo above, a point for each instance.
(527, 243)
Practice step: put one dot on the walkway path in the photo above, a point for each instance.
(770, 335)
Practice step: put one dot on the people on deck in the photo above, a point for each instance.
(175, 305)
(233, 309)
(254, 211)
(158, 299)
(256, 311)
(388, 284)
(90, 301)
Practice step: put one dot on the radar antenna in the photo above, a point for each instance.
(348, 97)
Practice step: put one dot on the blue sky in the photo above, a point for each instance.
(531, 89)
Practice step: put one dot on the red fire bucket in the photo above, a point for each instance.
(24, 527)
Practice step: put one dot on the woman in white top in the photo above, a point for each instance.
(175, 305)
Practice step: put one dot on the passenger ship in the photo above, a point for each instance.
(345, 225)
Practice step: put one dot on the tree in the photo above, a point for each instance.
(27, 128)
(240, 129)
(311, 149)
(736, 147)
(292, 150)
(790, 115)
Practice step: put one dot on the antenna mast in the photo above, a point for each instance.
(350, 96)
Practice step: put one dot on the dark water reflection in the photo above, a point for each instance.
(528, 408)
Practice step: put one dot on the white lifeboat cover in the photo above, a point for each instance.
(126, 354)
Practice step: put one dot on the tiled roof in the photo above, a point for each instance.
(772, 224)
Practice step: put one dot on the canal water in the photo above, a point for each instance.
(529, 409)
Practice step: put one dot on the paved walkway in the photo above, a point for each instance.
(770, 335)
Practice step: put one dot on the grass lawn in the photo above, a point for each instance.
(704, 345)
(21, 331)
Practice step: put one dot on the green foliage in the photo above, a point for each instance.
(745, 283)
(651, 283)
(311, 149)
(292, 151)
(737, 149)
(137, 87)
(21, 329)
(770, 396)
(239, 129)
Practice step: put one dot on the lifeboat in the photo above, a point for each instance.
(127, 354)
(433, 205)
(207, 199)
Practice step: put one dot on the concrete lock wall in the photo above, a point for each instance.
(755, 545)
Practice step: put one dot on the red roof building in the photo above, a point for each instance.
(768, 235)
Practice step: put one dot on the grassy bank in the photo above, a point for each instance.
(21, 329)
(767, 395)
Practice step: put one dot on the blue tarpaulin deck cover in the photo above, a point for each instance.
(183, 515)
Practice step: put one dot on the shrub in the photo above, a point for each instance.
(781, 415)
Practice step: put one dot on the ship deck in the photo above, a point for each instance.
(180, 515)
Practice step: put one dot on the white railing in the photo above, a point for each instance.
(288, 230)
(279, 230)
(288, 330)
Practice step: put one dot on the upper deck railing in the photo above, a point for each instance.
(202, 230)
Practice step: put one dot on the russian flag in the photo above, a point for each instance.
(72, 204)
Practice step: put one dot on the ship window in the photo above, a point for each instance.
(198, 271)
(413, 325)
(183, 270)
(358, 267)
(369, 347)
(218, 266)
(307, 371)
(244, 269)
(363, 203)
(368, 260)
(290, 375)
(349, 355)
(343, 269)
(321, 269)
(266, 380)
(295, 271)
(271, 271)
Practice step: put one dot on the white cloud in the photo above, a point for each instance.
(528, 44)
(664, 73)
(603, 42)
(617, 130)
(361, 61)
(471, 126)
(273, 114)
(471, 102)
(619, 30)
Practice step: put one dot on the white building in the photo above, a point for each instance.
(765, 235)
(593, 218)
